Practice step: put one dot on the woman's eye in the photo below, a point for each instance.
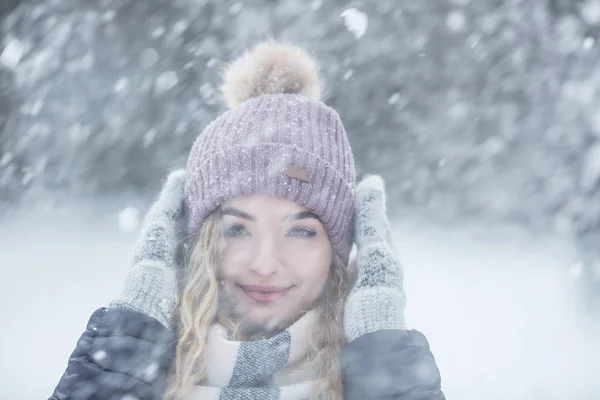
(302, 232)
(236, 230)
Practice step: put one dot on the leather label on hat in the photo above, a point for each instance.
(297, 173)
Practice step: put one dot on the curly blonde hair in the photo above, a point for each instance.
(200, 307)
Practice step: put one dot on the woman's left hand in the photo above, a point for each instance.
(377, 299)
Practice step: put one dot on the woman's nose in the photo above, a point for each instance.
(266, 259)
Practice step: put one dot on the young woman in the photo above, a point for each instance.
(267, 305)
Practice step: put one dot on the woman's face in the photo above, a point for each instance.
(275, 262)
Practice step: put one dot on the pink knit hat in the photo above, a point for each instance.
(278, 139)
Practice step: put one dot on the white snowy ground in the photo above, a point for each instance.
(492, 302)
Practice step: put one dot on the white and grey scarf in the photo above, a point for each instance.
(268, 369)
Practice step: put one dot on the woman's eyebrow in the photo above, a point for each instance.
(300, 215)
(237, 213)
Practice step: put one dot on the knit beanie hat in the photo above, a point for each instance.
(277, 139)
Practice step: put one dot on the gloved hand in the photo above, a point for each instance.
(377, 299)
(151, 285)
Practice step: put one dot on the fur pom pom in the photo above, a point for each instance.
(270, 67)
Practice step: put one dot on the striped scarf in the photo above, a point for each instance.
(267, 369)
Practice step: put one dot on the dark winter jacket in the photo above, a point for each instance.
(124, 352)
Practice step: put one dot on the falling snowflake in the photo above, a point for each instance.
(166, 81)
(130, 397)
(212, 62)
(99, 355)
(393, 99)
(207, 91)
(12, 53)
(149, 57)
(151, 372)
(588, 43)
(590, 11)
(235, 8)
(456, 21)
(6, 159)
(158, 32)
(315, 4)
(129, 219)
(356, 22)
(121, 85)
(180, 26)
(108, 15)
(149, 137)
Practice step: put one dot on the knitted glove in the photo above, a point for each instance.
(151, 285)
(377, 299)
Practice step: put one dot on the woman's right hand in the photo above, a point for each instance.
(151, 285)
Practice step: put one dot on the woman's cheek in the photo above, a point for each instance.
(233, 257)
(240, 246)
(308, 261)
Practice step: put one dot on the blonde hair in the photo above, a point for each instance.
(199, 308)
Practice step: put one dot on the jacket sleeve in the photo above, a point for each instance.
(121, 354)
(390, 364)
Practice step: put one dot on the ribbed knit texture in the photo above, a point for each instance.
(151, 284)
(377, 299)
(246, 151)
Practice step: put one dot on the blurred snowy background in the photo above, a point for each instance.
(481, 115)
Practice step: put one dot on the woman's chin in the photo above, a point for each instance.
(267, 321)
(255, 318)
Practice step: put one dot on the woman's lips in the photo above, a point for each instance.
(264, 294)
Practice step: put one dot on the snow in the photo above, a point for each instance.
(236, 8)
(149, 137)
(149, 57)
(129, 219)
(180, 26)
(121, 85)
(84, 67)
(492, 301)
(108, 15)
(35, 107)
(166, 81)
(588, 43)
(393, 99)
(211, 62)
(28, 176)
(316, 4)
(456, 21)
(6, 159)
(495, 123)
(569, 35)
(158, 32)
(458, 110)
(151, 371)
(130, 397)
(494, 145)
(12, 53)
(207, 91)
(78, 133)
(575, 270)
(356, 22)
(590, 11)
(99, 355)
